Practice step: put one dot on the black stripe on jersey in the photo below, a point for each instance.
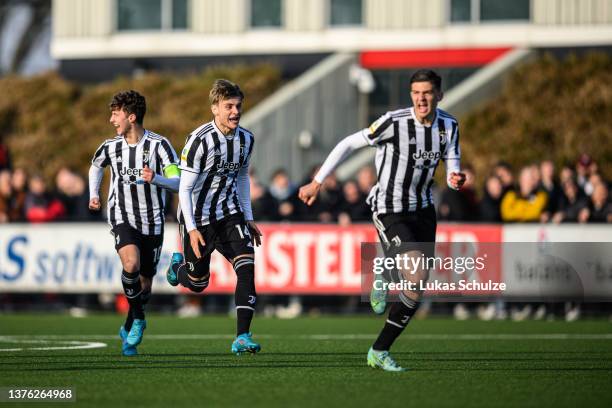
(160, 191)
(394, 165)
(204, 156)
(425, 168)
(229, 145)
(242, 161)
(146, 146)
(103, 148)
(383, 126)
(199, 208)
(456, 146)
(121, 192)
(441, 130)
(382, 166)
(192, 152)
(167, 149)
(412, 145)
(134, 190)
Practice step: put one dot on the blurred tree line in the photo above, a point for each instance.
(548, 109)
(49, 122)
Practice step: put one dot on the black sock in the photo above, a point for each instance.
(128, 320)
(133, 289)
(245, 294)
(399, 317)
(193, 276)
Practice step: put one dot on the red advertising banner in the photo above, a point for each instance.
(321, 259)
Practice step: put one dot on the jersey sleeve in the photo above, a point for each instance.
(101, 158)
(193, 155)
(380, 131)
(167, 154)
(452, 154)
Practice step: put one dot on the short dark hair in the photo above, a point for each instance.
(224, 89)
(130, 102)
(427, 75)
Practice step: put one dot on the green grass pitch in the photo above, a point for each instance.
(312, 362)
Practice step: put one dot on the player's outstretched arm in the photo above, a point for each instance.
(171, 181)
(95, 179)
(308, 193)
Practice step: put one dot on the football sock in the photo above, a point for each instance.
(193, 275)
(399, 317)
(133, 290)
(245, 294)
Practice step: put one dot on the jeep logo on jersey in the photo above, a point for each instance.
(128, 171)
(426, 155)
(223, 166)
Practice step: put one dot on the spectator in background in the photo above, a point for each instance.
(599, 208)
(327, 207)
(491, 200)
(264, 206)
(584, 168)
(366, 179)
(572, 202)
(503, 171)
(285, 195)
(19, 182)
(460, 205)
(549, 184)
(6, 196)
(354, 208)
(71, 192)
(528, 202)
(40, 205)
(566, 173)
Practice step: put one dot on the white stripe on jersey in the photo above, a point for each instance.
(216, 159)
(130, 199)
(407, 155)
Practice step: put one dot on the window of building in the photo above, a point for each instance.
(266, 13)
(151, 15)
(475, 11)
(345, 12)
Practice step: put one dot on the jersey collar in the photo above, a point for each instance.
(434, 122)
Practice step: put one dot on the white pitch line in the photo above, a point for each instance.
(69, 345)
(357, 336)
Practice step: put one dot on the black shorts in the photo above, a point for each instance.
(399, 232)
(230, 236)
(149, 246)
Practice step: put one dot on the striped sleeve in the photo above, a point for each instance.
(380, 131)
(452, 154)
(191, 156)
(166, 154)
(101, 157)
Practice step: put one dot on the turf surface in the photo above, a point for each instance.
(313, 362)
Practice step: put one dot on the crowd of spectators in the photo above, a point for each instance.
(534, 193)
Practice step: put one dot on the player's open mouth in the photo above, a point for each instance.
(234, 120)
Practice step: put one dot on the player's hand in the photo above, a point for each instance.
(255, 233)
(147, 174)
(196, 239)
(456, 180)
(308, 193)
(94, 204)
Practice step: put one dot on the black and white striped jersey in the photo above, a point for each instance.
(218, 161)
(407, 155)
(130, 199)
